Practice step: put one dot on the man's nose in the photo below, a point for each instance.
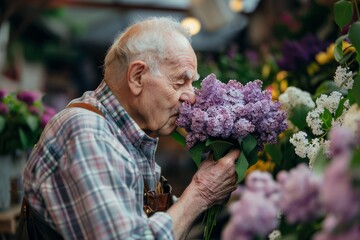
(188, 95)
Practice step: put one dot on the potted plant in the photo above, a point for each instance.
(22, 119)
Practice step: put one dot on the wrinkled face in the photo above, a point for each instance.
(164, 94)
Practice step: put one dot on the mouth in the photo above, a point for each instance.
(175, 115)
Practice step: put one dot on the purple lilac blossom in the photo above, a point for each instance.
(232, 111)
(28, 97)
(46, 116)
(342, 141)
(339, 197)
(34, 110)
(263, 182)
(296, 54)
(3, 93)
(300, 190)
(255, 214)
(49, 111)
(3, 108)
(330, 231)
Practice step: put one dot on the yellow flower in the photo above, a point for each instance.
(283, 85)
(281, 75)
(265, 71)
(261, 165)
(322, 58)
(312, 69)
(325, 57)
(274, 91)
(330, 51)
(347, 47)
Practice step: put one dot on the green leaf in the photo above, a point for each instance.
(340, 108)
(338, 52)
(292, 236)
(241, 167)
(355, 161)
(321, 161)
(219, 148)
(196, 152)
(354, 33)
(298, 116)
(23, 139)
(354, 95)
(252, 157)
(355, 167)
(32, 122)
(275, 152)
(342, 13)
(179, 138)
(328, 87)
(248, 144)
(2, 123)
(326, 119)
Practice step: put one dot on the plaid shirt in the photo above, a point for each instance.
(85, 175)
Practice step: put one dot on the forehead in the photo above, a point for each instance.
(181, 58)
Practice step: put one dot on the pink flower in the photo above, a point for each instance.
(28, 97)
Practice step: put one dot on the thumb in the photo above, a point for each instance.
(231, 156)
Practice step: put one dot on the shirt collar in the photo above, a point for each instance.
(113, 107)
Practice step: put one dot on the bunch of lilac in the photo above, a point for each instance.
(340, 196)
(232, 111)
(300, 194)
(257, 211)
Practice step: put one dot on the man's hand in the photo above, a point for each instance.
(212, 184)
(215, 180)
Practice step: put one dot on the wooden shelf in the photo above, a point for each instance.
(8, 219)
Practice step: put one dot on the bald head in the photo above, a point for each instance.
(149, 41)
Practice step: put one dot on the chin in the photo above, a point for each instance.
(167, 130)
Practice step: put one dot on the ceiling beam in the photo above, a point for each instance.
(112, 5)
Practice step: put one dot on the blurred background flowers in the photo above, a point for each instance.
(22, 119)
(306, 52)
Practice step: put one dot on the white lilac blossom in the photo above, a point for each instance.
(300, 142)
(305, 147)
(340, 120)
(313, 149)
(352, 119)
(294, 97)
(343, 78)
(232, 111)
(256, 213)
(300, 189)
(275, 235)
(330, 102)
(314, 122)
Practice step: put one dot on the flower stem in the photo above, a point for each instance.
(210, 218)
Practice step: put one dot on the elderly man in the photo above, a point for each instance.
(85, 178)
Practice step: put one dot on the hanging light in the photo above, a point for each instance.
(236, 5)
(193, 24)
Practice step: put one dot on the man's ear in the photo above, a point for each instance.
(136, 71)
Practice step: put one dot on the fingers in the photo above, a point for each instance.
(231, 157)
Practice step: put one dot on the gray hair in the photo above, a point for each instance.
(146, 40)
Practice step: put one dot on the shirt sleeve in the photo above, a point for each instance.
(94, 192)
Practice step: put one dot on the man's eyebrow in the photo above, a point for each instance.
(189, 75)
(197, 77)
